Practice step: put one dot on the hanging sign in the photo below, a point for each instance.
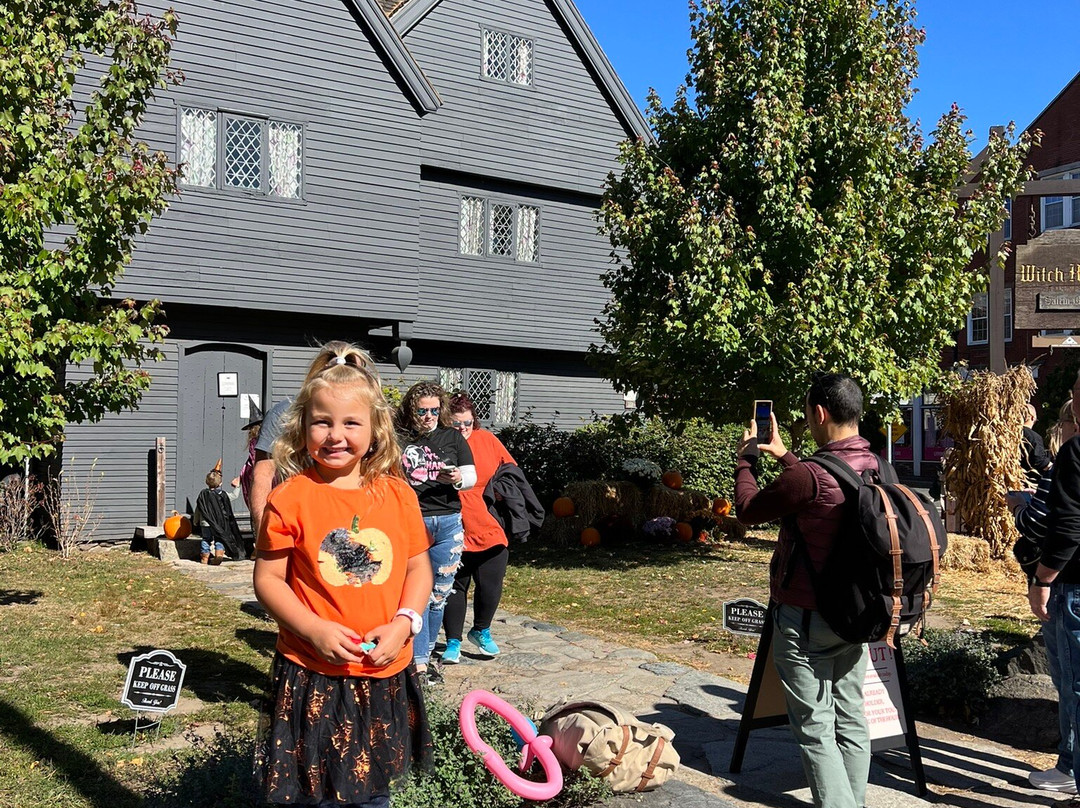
(153, 682)
(228, 385)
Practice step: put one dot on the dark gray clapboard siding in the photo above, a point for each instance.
(349, 247)
(568, 402)
(560, 132)
(550, 304)
(120, 444)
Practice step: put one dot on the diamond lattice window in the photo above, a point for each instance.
(198, 146)
(501, 230)
(472, 226)
(494, 58)
(505, 408)
(243, 153)
(527, 235)
(286, 146)
(520, 66)
(452, 379)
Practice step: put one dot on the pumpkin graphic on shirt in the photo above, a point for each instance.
(355, 556)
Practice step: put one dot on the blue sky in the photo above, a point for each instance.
(995, 61)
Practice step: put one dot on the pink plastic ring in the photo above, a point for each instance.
(536, 746)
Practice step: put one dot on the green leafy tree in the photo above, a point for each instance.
(790, 218)
(76, 188)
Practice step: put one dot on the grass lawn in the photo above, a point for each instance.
(69, 627)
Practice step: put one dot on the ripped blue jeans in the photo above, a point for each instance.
(447, 541)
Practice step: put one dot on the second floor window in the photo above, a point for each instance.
(507, 58)
(499, 228)
(1059, 212)
(257, 155)
(978, 330)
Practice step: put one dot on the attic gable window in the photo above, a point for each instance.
(507, 58)
(241, 152)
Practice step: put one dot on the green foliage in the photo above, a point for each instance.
(789, 218)
(78, 188)
(1057, 390)
(212, 773)
(951, 675)
(460, 778)
(703, 453)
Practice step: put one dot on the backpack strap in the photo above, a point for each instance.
(838, 468)
(925, 515)
(615, 761)
(651, 768)
(898, 569)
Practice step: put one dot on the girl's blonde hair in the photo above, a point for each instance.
(1055, 435)
(407, 420)
(342, 366)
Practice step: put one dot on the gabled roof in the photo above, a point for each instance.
(407, 13)
(373, 15)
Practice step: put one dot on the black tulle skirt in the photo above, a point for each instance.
(339, 740)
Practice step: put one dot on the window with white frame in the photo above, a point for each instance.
(499, 228)
(1059, 212)
(1008, 315)
(978, 330)
(256, 155)
(494, 392)
(507, 58)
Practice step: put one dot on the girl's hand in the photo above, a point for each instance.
(389, 639)
(337, 644)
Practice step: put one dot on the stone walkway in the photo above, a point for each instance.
(541, 663)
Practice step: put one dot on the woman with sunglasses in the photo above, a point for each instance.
(438, 464)
(485, 555)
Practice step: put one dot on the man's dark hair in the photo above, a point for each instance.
(837, 393)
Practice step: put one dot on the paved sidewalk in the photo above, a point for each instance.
(541, 663)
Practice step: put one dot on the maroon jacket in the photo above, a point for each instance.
(814, 497)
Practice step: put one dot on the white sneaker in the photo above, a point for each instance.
(1053, 780)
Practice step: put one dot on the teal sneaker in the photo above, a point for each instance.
(481, 638)
(452, 654)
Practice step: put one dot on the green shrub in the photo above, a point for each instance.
(702, 452)
(460, 778)
(212, 773)
(951, 675)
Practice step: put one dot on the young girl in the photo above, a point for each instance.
(343, 568)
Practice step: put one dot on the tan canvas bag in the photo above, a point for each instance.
(611, 744)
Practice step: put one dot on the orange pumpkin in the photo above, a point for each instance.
(177, 526)
(672, 479)
(684, 531)
(590, 537)
(703, 537)
(563, 506)
(721, 507)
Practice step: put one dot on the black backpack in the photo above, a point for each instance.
(882, 570)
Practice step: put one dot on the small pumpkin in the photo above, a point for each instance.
(563, 506)
(590, 537)
(672, 479)
(684, 532)
(177, 526)
(703, 537)
(721, 506)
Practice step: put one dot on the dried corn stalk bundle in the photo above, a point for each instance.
(985, 418)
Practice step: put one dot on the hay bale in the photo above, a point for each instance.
(680, 504)
(967, 553)
(735, 530)
(593, 500)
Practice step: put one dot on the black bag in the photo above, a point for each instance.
(882, 570)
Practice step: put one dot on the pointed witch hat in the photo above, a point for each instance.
(256, 417)
(217, 468)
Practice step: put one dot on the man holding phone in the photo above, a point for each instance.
(821, 674)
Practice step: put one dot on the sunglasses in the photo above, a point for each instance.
(461, 424)
(422, 411)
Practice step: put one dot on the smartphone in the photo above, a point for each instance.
(1024, 495)
(763, 419)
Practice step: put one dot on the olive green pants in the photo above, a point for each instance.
(822, 676)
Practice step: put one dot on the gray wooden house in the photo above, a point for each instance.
(417, 171)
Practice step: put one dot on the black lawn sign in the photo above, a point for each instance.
(153, 682)
(744, 616)
(885, 696)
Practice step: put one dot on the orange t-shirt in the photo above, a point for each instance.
(348, 554)
(482, 531)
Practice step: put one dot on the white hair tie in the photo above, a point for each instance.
(338, 360)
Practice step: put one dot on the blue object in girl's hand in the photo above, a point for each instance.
(367, 647)
(517, 738)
